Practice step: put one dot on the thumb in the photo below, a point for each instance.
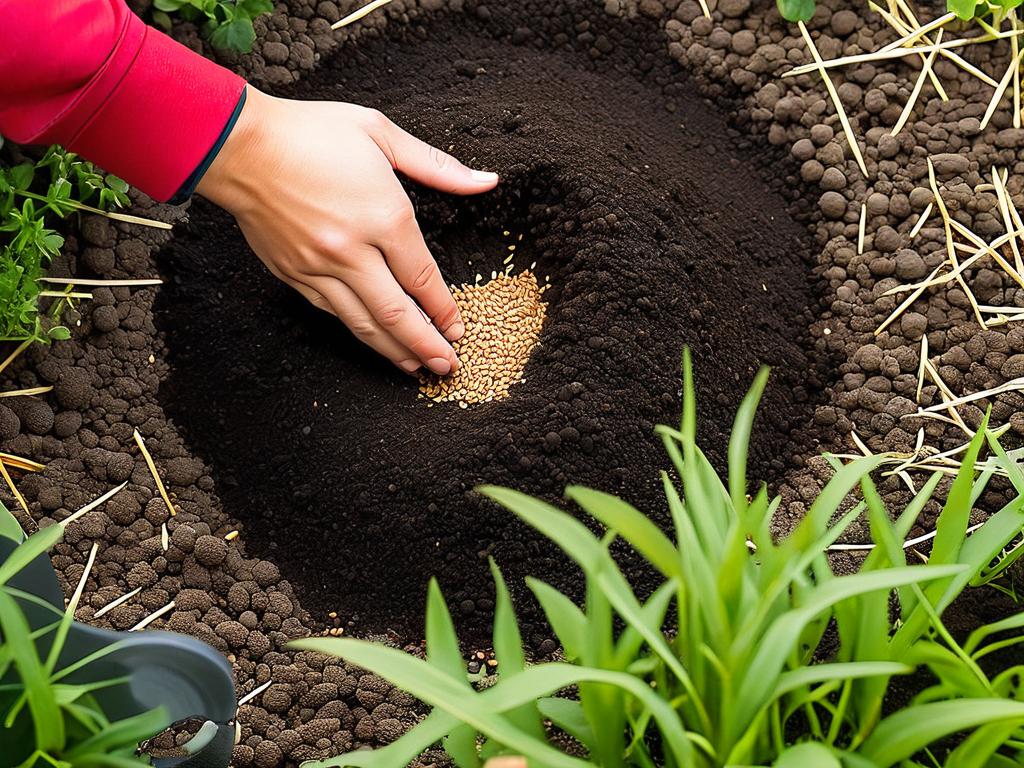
(433, 168)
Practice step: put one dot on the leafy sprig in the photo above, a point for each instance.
(34, 195)
(226, 23)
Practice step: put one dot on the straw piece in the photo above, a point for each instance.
(92, 505)
(920, 222)
(919, 32)
(906, 302)
(25, 465)
(114, 603)
(906, 544)
(1014, 385)
(254, 693)
(987, 248)
(101, 283)
(1005, 204)
(152, 470)
(843, 119)
(954, 57)
(153, 617)
(860, 228)
(14, 489)
(900, 26)
(860, 58)
(920, 367)
(65, 295)
(14, 355)
(1001, 89)
(355, 16)
(926, 70)
(26, 392)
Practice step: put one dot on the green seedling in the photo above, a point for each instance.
(226, 23)
(769, 657)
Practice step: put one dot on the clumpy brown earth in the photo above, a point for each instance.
(640, 232)
(655, 231)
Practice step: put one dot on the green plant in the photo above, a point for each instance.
(76, 696)
(739, 679)
(47, 718)
(226, 23)
(33, 195)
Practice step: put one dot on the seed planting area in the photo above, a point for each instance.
(662, 184)
(644, 220)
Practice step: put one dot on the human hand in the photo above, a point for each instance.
(506, 762)
(312, 185)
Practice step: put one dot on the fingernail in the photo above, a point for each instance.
(409, 366)
(456, 363)
(483, 176)
(455, 331)
(439, 365)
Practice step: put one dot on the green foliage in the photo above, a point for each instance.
(745, 674)
(227, 23)
(67, 726)
(33, 196)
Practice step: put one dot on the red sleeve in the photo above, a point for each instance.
(90, 75)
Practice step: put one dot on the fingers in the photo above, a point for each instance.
(399, 316)
(416, 271)
(337, 298)
(430, 166)
(506, 762)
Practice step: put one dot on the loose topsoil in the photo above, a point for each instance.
(630, 135)
(655, 230)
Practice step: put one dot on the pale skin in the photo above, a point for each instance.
(314, 189)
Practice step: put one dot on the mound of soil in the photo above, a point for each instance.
(655, 229)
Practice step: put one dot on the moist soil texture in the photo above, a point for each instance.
(655, 229)
(650, 241)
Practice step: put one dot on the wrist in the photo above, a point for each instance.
(224, 180)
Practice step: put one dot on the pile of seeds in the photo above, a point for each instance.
(503, 320)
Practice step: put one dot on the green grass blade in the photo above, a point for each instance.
(127, 733)
(739, 441)
(567, 715)
(568, 533)
(632, 525)
(437, 689)
(36, 544)
(564, 616)
(508, 650)
(9, 526)
(821, 673)
(46, 717)
(442, 642)
(953, 521)
(460, 745)
(910, 730)
(808, 755)
(758, 675)
(978, 749)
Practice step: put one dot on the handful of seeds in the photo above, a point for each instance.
(503, 320)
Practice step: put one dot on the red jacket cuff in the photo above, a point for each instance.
(153, 111)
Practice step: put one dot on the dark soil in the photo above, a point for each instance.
(529, 116)
(656, 231)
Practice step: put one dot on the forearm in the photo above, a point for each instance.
(90, 75)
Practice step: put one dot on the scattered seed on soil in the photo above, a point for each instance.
(503, 320)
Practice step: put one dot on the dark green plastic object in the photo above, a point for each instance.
(185, 676)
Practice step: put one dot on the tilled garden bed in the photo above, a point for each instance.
(672, 187)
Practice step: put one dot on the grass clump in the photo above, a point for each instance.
(771, 658)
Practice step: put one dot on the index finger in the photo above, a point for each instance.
(399, 315)
(406, 253)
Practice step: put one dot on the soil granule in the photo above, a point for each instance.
(655, 229)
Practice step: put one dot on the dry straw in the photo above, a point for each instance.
(503, 320)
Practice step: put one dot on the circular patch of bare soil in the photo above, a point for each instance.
(656, 230)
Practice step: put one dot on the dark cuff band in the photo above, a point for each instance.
(190, 184)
